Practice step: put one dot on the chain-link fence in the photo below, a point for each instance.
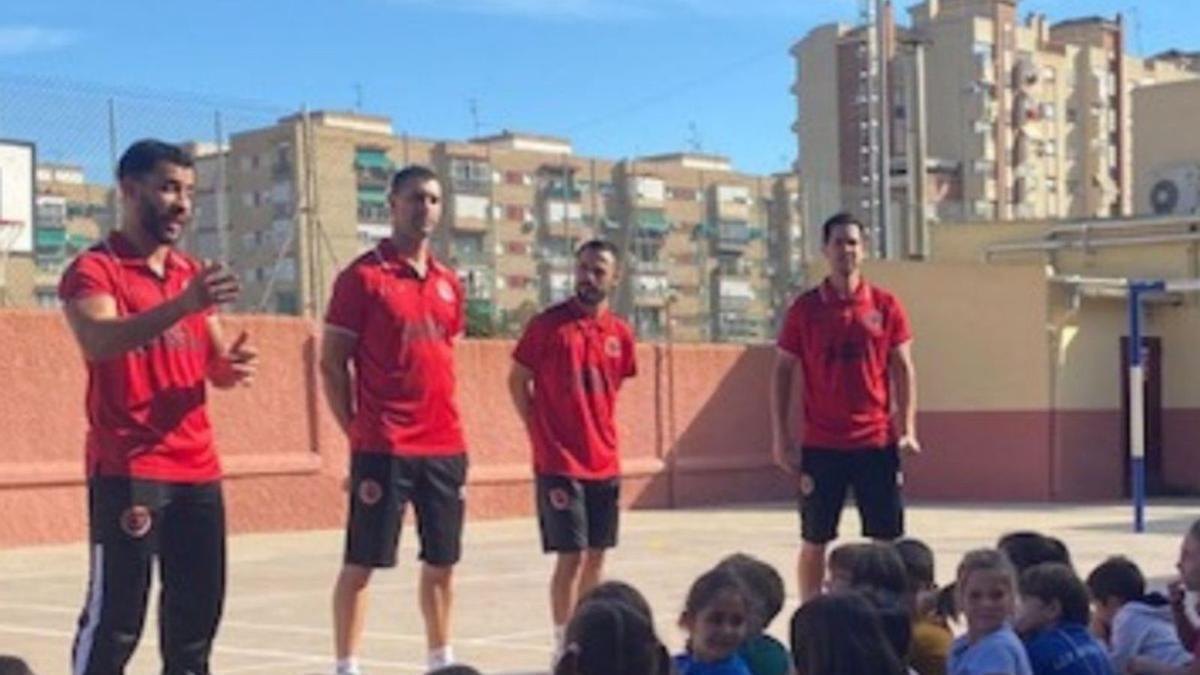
(287, 196)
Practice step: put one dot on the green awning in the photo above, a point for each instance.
(372, 159)
(652, 220)
(46, 237)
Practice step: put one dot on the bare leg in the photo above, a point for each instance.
(349, 609)
(810, 570)
(593, 568)
(564, 586)
(437, 596)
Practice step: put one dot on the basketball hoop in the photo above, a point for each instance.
(10, 232)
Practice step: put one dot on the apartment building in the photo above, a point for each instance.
(308, 194)
(70, 215)
(1024, 119)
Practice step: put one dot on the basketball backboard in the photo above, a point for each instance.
(17, 160)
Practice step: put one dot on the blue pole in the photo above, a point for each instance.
(1137, 401)
(1137, 436)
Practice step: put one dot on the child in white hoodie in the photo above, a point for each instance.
(1129, 621)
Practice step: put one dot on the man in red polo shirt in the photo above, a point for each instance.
(567, 369)
(852, 345)
(142, 313)
(395, 313)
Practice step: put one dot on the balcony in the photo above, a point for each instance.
(651, 223)
(282, 168)
(372, 178)
(731, 236)
(650, 289)
(733, 293)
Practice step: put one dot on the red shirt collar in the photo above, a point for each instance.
(861, 295)
(120, 247)
(391, 258)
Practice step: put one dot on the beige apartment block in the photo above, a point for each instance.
(70, 215)
(309, 194)
(1024, 119)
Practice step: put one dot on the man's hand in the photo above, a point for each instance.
(908, 445)
(779, 453)
(214, 285)
(237, 365)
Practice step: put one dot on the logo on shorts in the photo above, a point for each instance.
(807, 485)
(445, 290)
(612, 346)
(559, 499)
(900, 478)
(369, 492)
(136, 521)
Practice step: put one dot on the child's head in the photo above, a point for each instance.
(716, 615)
(14, 665)
(1189, 558)
(609, 636)
(1026, 549)
(764, 585)
(1051, 593)
(894, 618)
(918, 564)
(1113, 583)
(841, 633)
(456, 669)
(619, 591)
(866, 565)
(987, 586)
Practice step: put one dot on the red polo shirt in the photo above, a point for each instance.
(404, 357)
(844, 346)
(578, 363)
(146, 407)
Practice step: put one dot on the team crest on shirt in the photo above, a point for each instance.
(872, 319)
(136, 521)
(559, 499)
(612, 346)
(445, 290)
(369, 492)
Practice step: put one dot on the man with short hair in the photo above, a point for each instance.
(849, 342)
(143, 314)
(567, 369)
(395, 314)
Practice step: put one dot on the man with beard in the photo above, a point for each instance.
(144, 316)
(395, 314)
(849, 343)
(567, 369)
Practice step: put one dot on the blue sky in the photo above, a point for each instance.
(618, 77)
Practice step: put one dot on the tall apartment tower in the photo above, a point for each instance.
(1025, 119)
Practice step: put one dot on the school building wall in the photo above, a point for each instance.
(1019, 400)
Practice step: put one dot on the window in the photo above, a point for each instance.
(514, 212)
(516, 248)
(514, 178)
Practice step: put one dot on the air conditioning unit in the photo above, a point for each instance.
(1175, 189)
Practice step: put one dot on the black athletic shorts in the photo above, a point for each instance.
(874, 474)
(575, 514)
(382, 484)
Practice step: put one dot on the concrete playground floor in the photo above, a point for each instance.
(277, 617)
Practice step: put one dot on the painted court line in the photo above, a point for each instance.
(484, 640)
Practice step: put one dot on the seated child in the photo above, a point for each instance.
(1054, 617)
(1131, 622)
(716, 616)
(763, 654)
(931, 635)
(838, 633)
(987, 588)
